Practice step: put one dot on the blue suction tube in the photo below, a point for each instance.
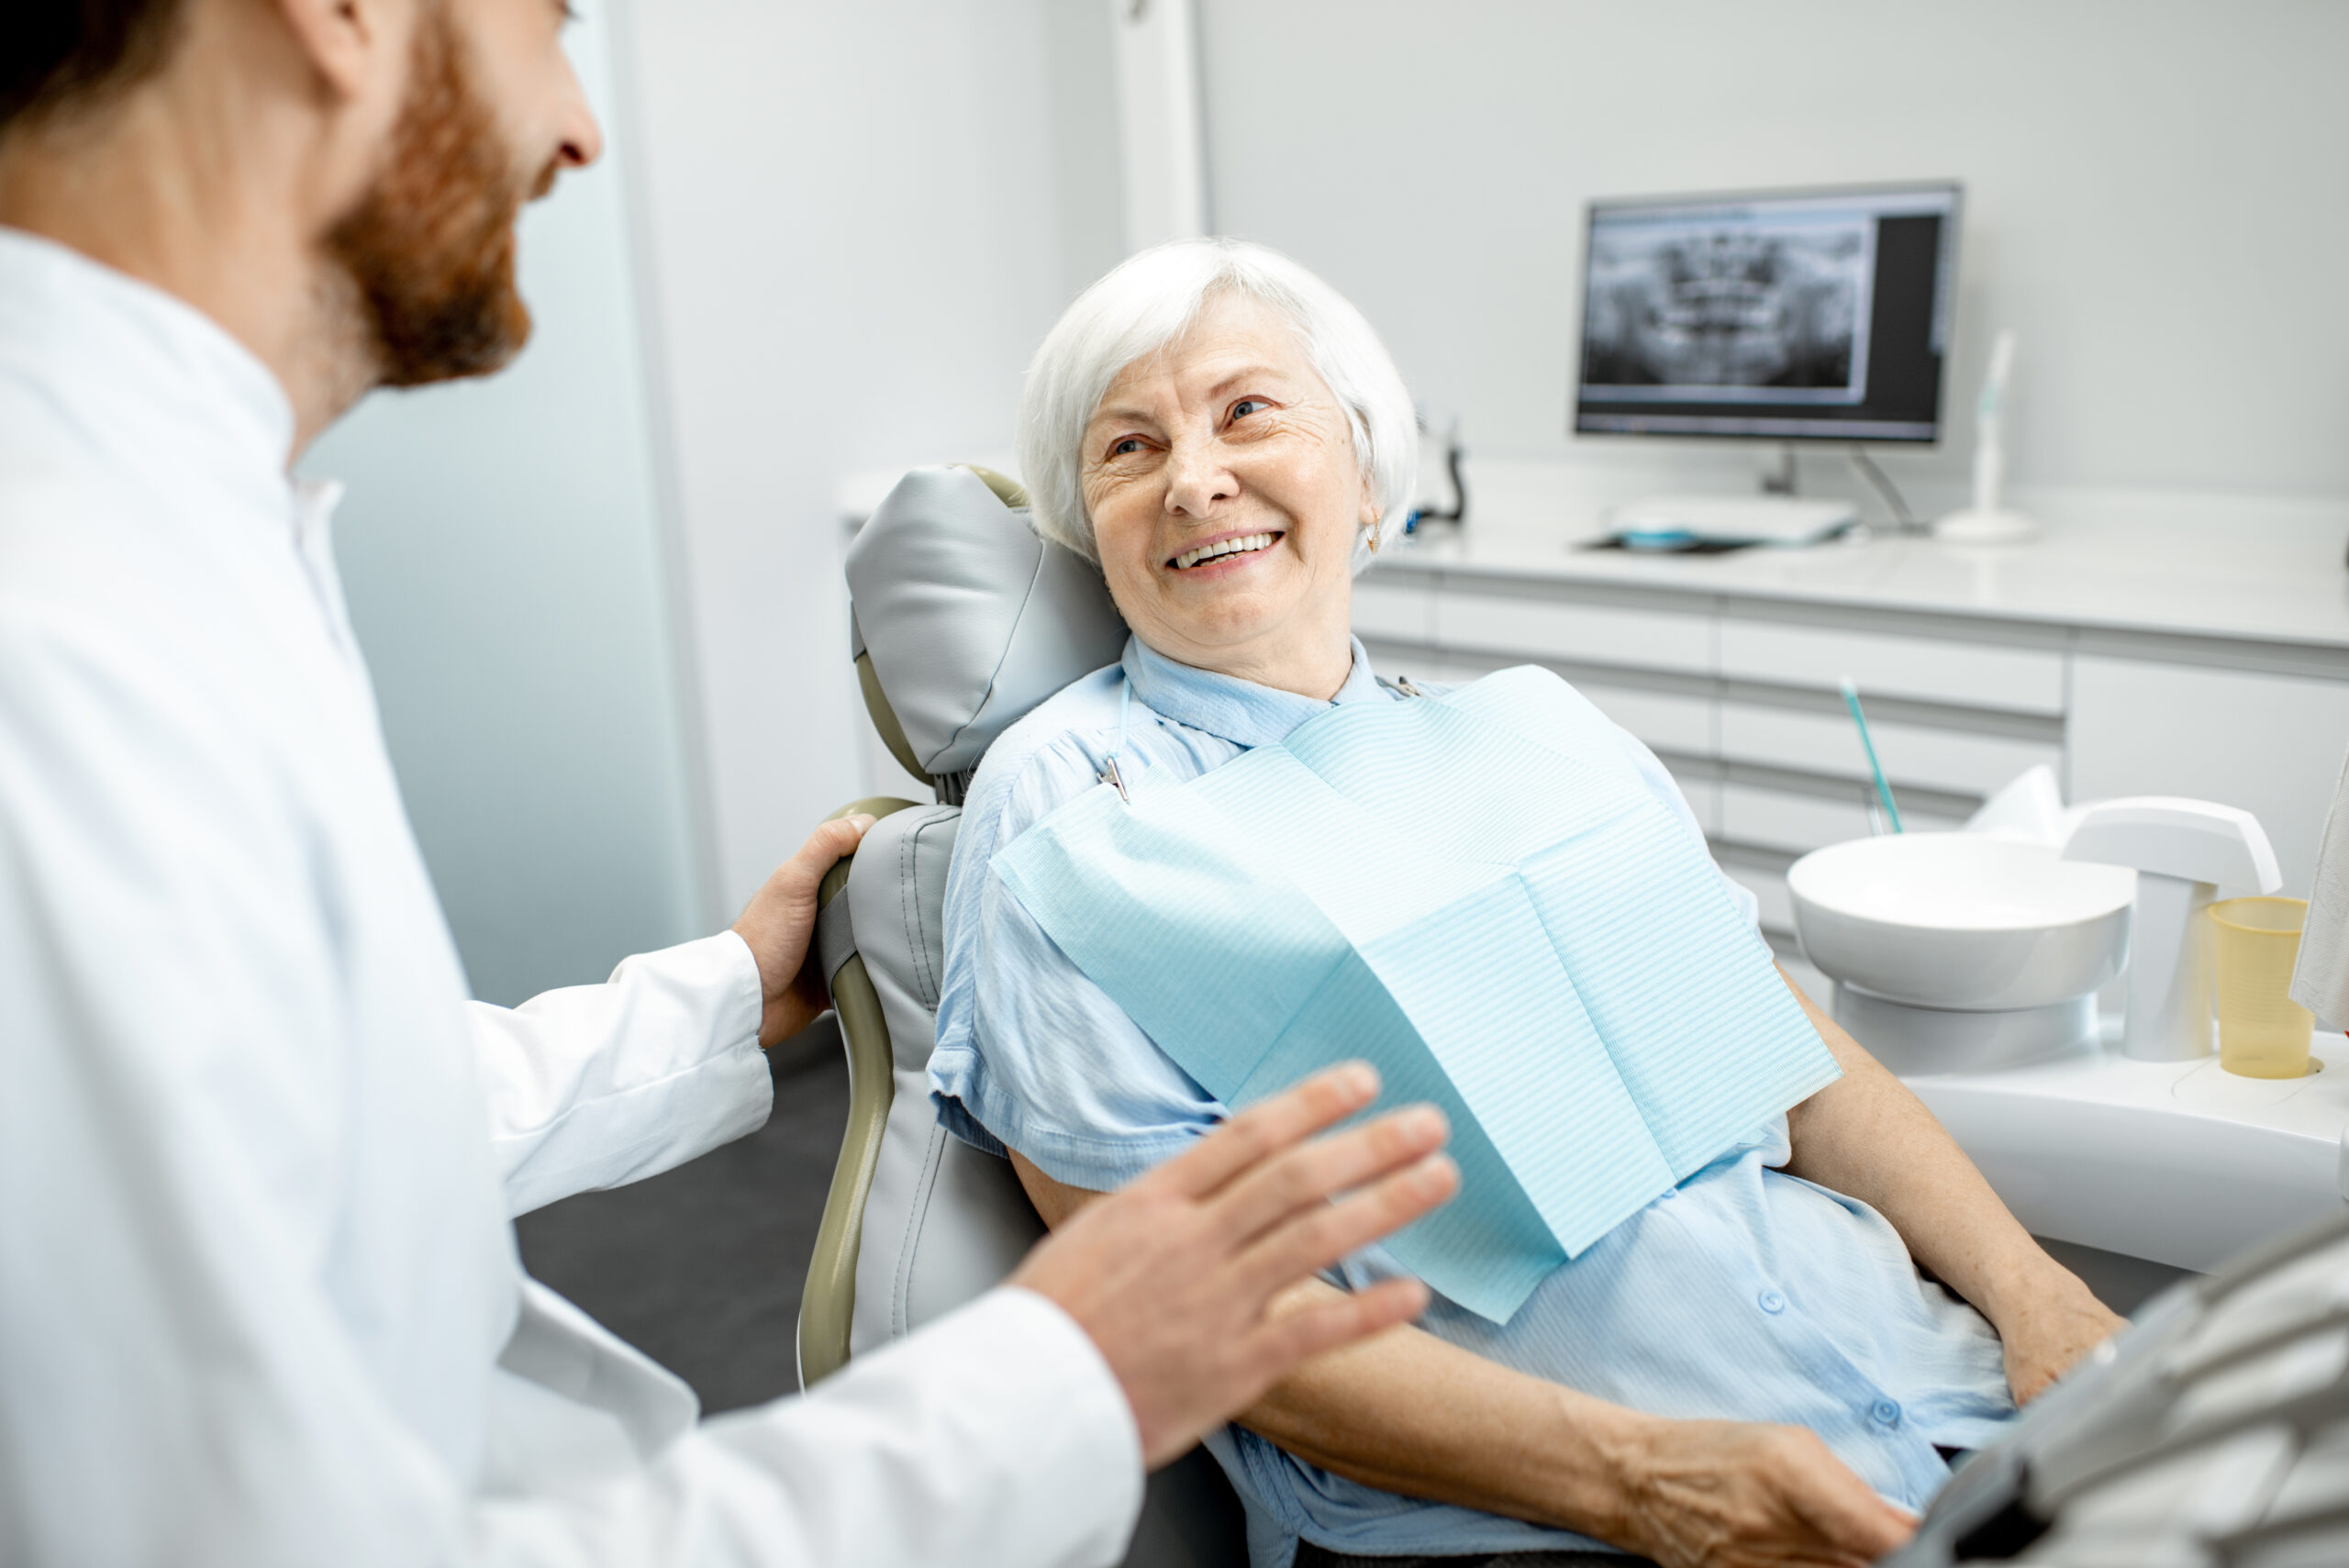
(1867, 744)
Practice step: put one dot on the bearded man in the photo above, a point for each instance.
(259, 1297)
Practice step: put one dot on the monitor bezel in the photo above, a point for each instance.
(1591, 209)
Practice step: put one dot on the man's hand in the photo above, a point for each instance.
(1173, 1275)
(778, 922)
(1734, 1494)
(2046, 1327)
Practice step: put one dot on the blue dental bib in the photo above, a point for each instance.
(1454, 890)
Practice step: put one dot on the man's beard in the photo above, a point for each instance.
(430, 246)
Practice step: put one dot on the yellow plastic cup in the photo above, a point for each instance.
(2263, 1033)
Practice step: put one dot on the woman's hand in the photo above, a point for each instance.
(1739, 1495)
(778, 923)
(2046, 1325)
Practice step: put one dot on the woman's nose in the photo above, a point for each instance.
(1196, 478)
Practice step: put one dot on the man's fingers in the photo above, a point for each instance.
(1268, 1127)
(1325, 1326)
(833, 840)
(1327, 1232)
(797, 877)
(1307, 1176)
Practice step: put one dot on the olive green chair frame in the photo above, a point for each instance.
(828, 1303)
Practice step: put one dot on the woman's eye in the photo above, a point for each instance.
(1248, 405)
(1126, 447)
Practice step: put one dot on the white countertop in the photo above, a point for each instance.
(2180, 1162)
(2251, 568)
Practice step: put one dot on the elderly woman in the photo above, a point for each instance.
(1750, 1369)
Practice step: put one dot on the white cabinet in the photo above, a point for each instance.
(1769, 890)
(1931, 669)
(2269, 743)
(1397, 608)
(1704, 798)
(1665, 721)
(1932, 757)
(1797, 823)
(1481, 622)
(1739, 695)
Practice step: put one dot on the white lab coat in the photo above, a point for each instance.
(260, 1302)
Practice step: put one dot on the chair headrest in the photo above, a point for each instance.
(964, 620)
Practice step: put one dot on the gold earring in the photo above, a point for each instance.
(1376, 517)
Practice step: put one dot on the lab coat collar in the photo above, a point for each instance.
(1239, 711)
(156, 385)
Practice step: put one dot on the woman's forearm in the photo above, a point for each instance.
(1407, 1412)
(1867, 1137)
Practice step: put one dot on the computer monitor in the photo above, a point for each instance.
(1782, 316)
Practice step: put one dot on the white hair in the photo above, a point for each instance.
(1149, 301)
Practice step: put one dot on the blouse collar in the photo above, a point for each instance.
(1239, 711)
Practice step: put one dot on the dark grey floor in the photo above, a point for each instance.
(701, 1267)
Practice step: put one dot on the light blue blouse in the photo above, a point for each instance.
(1745, 1295)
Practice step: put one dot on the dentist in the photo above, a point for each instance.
(259, 1297)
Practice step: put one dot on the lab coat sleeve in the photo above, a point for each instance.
(598, 1086)
(994, 1438)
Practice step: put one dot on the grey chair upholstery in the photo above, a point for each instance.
(964, 620)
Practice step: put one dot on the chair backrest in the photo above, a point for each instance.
(961, 618)
(964, 620)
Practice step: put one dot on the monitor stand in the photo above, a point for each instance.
(1777, 516)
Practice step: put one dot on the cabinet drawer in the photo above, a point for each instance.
(1770, 888)
(1401, 610)
(1598, 634)
(1798, 824)
(2020, 680)
(1704, 798)
(1666, 721)
(1955, 760)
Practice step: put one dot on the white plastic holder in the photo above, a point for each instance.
(1987, 521)
(2181, 850)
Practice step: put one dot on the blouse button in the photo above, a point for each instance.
(1885, 1413)
(1771, 1301)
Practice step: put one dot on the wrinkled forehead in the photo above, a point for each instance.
(1235, 337)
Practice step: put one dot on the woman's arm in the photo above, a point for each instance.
(1408, 1413)
(1867, 1137)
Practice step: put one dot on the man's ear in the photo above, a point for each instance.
(348, 42)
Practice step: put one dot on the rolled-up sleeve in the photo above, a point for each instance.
(1030, 1053)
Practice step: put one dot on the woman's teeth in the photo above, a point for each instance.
(1243, 545)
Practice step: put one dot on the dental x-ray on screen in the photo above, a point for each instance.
(1816, 315)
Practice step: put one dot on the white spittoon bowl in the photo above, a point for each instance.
(1958, 951)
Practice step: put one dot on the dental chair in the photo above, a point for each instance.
(961, 620)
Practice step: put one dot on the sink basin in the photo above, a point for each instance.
(1961, 920)
(1952, 950)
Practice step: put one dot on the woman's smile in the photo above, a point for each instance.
(1225, 554)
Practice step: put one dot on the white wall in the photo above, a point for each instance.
(501, 549)
(2155, 196)
(855, 223)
